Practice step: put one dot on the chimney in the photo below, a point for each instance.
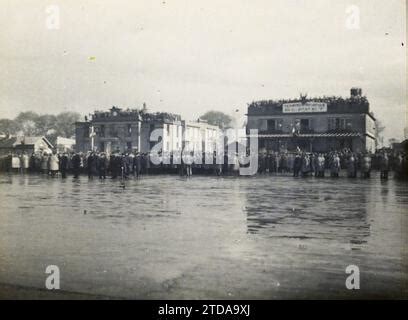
(356, 92)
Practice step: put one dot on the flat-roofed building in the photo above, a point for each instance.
(314, 124)
(118, 130)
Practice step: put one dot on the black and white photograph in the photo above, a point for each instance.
(178, 150)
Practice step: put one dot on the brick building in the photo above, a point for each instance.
(314, 124)
(127, 130)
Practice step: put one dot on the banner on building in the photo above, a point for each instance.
(298, 107)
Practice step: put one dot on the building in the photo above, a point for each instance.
(109, 131)
(65, 144)
(400, 146)
(118, 130)
(314, 124)
(20, 144)
(200, 136)
(168, 129)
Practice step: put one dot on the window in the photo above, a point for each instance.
(304, 124)
(102, 147)
(129, 130)
(271, 124)
(129, 145)
(112, 131)
(340, 124)
(274, 124)
(86, 132)
(102, 130)
(349, 124)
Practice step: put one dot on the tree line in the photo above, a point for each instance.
(51, 126)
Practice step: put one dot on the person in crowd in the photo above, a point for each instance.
(15, 163)
(236, 164)
(44, 163)
(399, 165)
(405, 166)
(127, 164)
(188, 161)
(90, 161)
(137, 165)
(76, 164)
(8, 160)
(384, 165)
(366, 166)
(335, 165)
(115, 165)
(262, 162)
(276, 160)
(217, 166)
(305, 164)
(321, 165)
(24, 162)
(312, 160)
(269, 162)
(53, 164)
(33, 163)
(38, 161)
(124, 166)
(147, 162)
(102, 165)
(297, 165)
(63, 165)
(287, 163)
(351, 166)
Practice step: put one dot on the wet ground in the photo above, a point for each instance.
(263, 237)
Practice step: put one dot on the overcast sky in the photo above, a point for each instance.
(188, 57)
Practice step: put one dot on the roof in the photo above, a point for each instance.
(8, 142)
(202, 125)
(335, 105)
(13, 142)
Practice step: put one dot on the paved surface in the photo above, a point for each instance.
(262, 237)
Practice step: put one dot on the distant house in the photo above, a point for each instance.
(400, 146)
(20, 144)
(65, 144)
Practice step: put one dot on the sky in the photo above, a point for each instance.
(188, 57)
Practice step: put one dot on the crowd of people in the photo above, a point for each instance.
(125, 165)
(332, 163)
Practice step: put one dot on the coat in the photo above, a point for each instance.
(54, 163)
(25, 163)
(351, 165)
(15, 162)
(366, 164)
(44, 163)
(384, 163)
(335, 165)
(320, 163)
